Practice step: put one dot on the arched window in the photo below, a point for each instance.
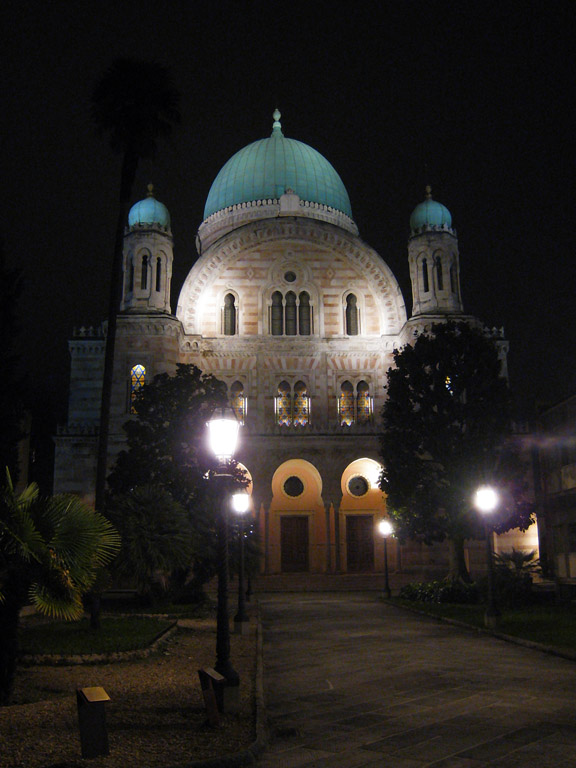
(144, 275)
(425, 282)
(301, 408)
(304, 323)
(137, 380)
(351, 315)
(290, 314)
(158, 274)
(346, 404)
(131, 277)
(276, 314)
(229, 315)
(354, 408)
(439, 274)
(283, 403)
(453, 278)
(363, 403)
(238, 400)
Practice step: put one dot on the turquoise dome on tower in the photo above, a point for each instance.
(265, 169)
(429, 214)
(149, 211)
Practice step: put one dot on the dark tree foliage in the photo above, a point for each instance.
(446, 429)
(134, 104)
(157, 537)
(11, 407)
(167, 437)
(167, 448)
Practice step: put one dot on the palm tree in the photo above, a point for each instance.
(50, 551)
(134, 103)
(157, 537)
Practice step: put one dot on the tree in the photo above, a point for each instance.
(157, 537)
(11, 407)
(135, 103)
(166, 443)
(446, 425)
(50, 551)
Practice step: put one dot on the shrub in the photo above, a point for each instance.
(444, 591)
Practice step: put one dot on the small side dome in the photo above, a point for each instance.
(430, 215)
(149, 212)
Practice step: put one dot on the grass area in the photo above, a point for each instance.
(76, 637)
(553, 625)
(176, 610)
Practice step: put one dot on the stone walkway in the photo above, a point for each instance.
(351, 681)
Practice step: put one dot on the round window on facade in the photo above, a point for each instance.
(358, 486)
(293, 486)
(290, 277)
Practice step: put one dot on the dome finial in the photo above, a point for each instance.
(428, 192)
(150, 192)
(277, 125)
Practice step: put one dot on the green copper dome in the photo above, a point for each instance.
(266, 168)
(149, 211)
(430, 213)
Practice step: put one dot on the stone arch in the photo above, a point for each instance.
(308, 475)
(258, 236)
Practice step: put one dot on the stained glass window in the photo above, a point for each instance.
(238, 401)
(363, 403)
(301, 405)
(137, 380)
(284, 405)
(346, 404)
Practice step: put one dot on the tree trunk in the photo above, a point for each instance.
(457, 561)
(95, 610)
(9, 619)
(129, 165)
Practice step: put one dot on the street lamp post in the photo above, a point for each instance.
(386, 529)
(223, 435)
(241, 503)
(486, 501)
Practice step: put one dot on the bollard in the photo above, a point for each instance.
(92, 721)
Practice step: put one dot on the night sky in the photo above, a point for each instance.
(474, 98)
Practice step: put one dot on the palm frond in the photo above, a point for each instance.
(66, 606)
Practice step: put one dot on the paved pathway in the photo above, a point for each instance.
(351, 681)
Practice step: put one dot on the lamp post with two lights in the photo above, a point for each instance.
(486, 501)
(223, 428)
(241, 504)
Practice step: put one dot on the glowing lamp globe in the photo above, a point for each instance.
(385, 528)
(223, 430)
(240, 503)
(486, 499)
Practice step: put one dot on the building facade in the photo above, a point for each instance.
(300, 317)
(555, 491)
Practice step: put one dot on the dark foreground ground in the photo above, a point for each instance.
(156, 717)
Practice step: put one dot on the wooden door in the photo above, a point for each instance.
(360, 543)
(294, 543)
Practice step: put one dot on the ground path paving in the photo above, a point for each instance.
(352, 681)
